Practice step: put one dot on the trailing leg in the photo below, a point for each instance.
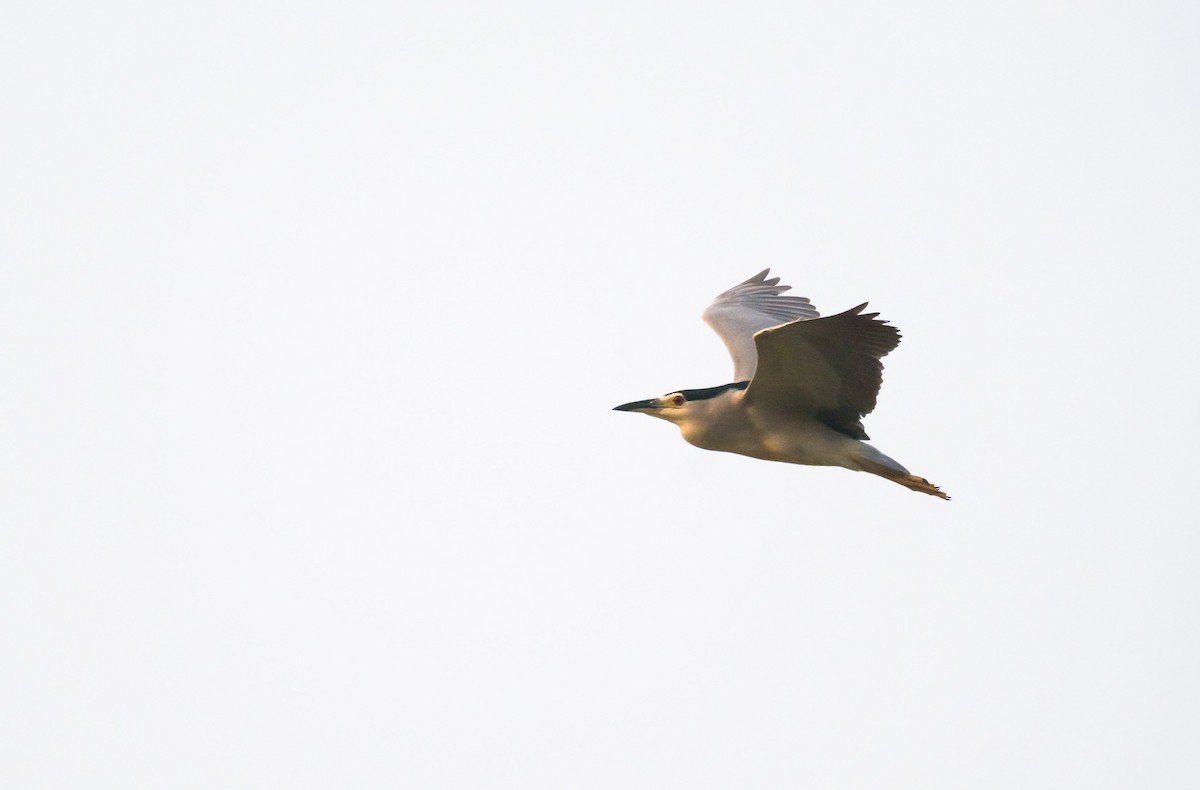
(868, 459)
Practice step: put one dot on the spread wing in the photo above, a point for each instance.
(828, 367)
(750, 307)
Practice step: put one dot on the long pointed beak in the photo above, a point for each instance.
(640, 405)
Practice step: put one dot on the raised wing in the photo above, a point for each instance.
(828, 368)
(750, 307)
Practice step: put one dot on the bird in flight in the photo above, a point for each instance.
(801, 384)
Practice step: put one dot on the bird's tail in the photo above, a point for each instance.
(871, 460)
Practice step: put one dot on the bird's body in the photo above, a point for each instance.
(726, 424)
(803, 384)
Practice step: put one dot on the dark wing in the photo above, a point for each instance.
(826, 367)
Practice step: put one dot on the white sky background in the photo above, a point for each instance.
(311, 319)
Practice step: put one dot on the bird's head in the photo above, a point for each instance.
(671, 407)
(679, 406)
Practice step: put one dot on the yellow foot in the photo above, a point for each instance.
(920, 484)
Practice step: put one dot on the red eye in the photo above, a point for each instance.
(677, 400)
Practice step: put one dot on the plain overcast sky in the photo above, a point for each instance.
(311, 321)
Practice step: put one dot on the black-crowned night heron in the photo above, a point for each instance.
(801, 384)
